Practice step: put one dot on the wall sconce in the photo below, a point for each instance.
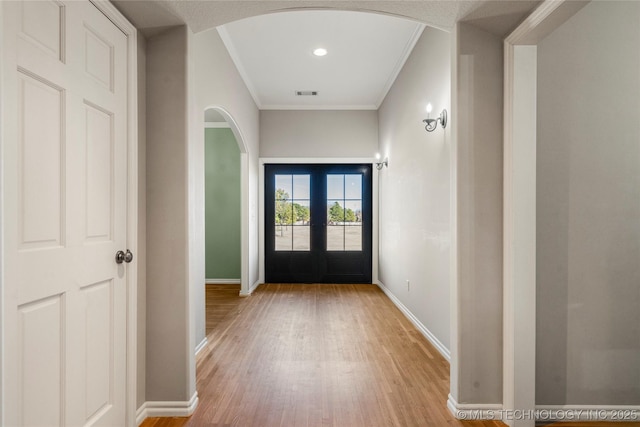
(381, 164)
(432, 124)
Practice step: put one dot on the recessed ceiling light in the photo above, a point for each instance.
(320, 51)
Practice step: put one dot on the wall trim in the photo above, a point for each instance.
(545, 413)
(519, 207)
(442, 349)
(151, 409)
(320, 107)
(618, 413)
(222, 281)
(473, 411)
(408, 49)
(251, 289)
(202, 345)
(141, 414)
(235, 58)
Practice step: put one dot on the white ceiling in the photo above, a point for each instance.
(365, 53)
(273, 50)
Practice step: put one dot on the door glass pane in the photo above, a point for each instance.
(301, 218)
(301, 238)
(283, 236)
(353, 187)
(353, 225)
(335, 237)
(301, 190)
(283, 186)
(353, 237)
(335, 212)
(344, 212)
(353, 211)
(292, 213)
(335, 187)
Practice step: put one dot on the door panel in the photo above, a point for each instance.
(41, 24)
(41, 175)
(41, 361)
(64, 213)
(319, 223)
(99, 349)
(99, 173)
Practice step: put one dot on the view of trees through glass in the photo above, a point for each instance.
(293, 212)
(344, 212)
(289, 213)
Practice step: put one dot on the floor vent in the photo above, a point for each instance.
(306, 93)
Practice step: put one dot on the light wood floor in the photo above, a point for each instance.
(318, 355)
(221, 301)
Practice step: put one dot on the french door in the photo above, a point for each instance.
(318, 223)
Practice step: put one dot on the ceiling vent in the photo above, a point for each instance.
(306, 93)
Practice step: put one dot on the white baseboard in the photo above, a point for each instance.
(251, 290)
(473, 412)
(141, 414)
(545, 413)
(222, 281)
(573, 413)
(166, 409)
(202, 345)
(444, 351)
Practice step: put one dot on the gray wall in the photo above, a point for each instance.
(588, 209)
(215, 82)
(478, 123)
(222, 204)
(167, 364)
(186, 74)
(342, 133)
(141, 258)
(414, 203)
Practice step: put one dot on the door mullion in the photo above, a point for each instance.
(318, 192)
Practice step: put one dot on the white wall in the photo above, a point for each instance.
(479, 176)
(414, 192)
(588, 209)
(302, 134)
(186, 74)
(217, 83)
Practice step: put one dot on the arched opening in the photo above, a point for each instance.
(219, 89)
(324, 140)
(219, 121)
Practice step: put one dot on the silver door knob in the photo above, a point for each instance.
(122, 256)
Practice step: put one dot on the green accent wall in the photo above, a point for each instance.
(222, 204)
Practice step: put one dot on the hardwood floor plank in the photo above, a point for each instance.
(317, 356)
(220, 301)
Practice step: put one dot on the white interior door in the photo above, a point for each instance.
(64, 159)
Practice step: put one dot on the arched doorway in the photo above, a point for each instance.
(213, 115)
(235, 102)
